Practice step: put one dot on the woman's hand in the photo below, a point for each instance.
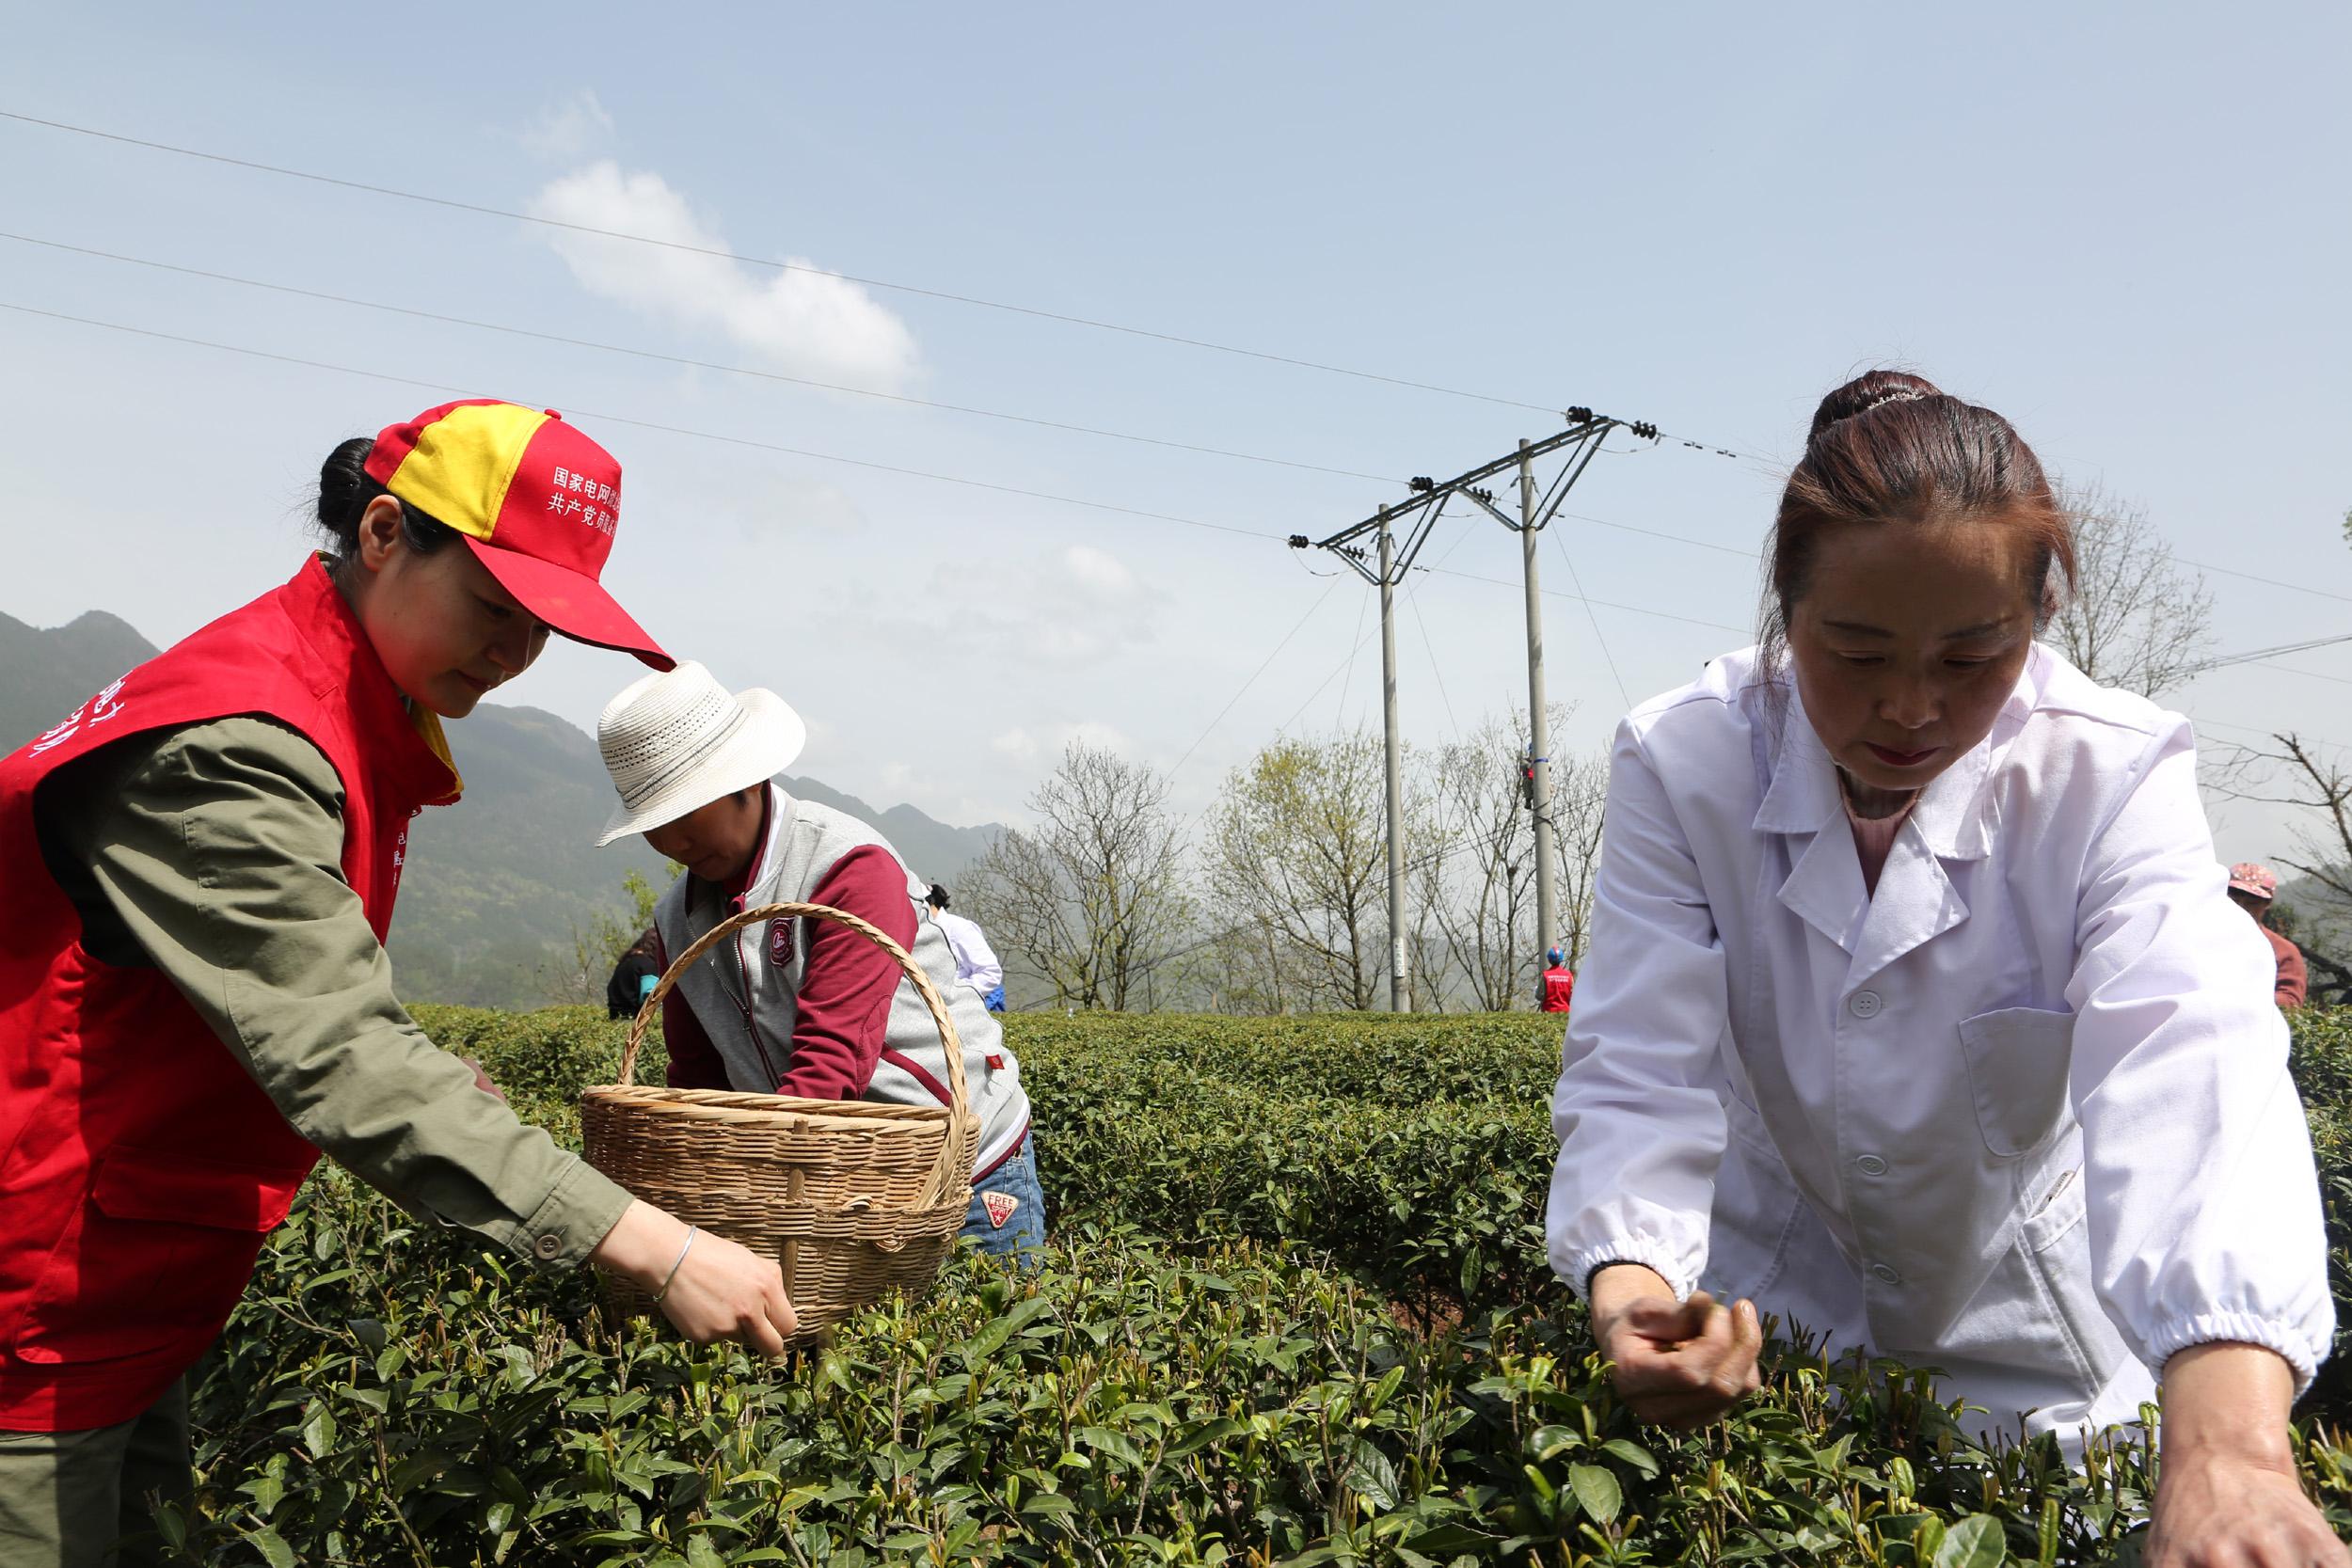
(722, 1290)
(1679, 1364)
(2231, 1512)
(2227, 1496)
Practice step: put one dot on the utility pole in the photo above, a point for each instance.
(1416, 515)
(1539, 721)
(1400, 986)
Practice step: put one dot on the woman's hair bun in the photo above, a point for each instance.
(1868, 392)
(344, 491)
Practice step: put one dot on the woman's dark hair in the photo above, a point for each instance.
(344, 491)
(937, 898)
(1892, 448)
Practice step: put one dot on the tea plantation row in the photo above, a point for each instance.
(1295, 1310)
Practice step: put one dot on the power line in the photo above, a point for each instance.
(1599, 635)
(1349, 683)
(692, 363)
(2289, 669)
(1605, 604)
(488, 211)
(2258, 655)
(2266, 734)
(1437, 667)
(1253, 679)
(444, 389)
(485, 210)
(649, 424)
(2272, 582)
(1656, 534)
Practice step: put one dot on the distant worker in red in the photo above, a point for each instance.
(1559, 985)
(2252, 889)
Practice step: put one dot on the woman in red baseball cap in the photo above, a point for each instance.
(195, 1000)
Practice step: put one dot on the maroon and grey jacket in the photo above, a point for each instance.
(745, 995)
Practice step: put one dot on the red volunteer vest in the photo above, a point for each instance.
(1559, 986)
(140, 1165)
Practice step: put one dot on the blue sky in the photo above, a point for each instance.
(2124, 227)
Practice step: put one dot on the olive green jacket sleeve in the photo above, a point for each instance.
(214, 852)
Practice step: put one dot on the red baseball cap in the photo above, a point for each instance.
(2250, 877)
(536, 501)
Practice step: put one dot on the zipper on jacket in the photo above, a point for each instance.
(743, 1005)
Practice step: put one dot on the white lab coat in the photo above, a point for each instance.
(977, 963)
(2023, 1115)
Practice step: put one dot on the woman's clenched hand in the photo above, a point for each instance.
(1678, 1363)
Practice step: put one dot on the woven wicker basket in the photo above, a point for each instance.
(855, 1198)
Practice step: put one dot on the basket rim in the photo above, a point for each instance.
(864, 1116)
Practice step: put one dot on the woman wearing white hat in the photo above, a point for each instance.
(807, 1008)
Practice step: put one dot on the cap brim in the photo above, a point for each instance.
(571, 602)
(767, 744)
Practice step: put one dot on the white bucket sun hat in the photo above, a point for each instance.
(678, 741)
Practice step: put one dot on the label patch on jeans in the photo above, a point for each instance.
(1000, 1207)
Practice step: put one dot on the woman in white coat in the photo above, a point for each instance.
(1915, 1012)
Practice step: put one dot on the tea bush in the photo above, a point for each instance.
(1212, 1366)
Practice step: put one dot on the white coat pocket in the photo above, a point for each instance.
(2017, 1064)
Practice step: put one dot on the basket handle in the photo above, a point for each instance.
(959, 1107)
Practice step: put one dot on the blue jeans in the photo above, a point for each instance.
(1024, 1225)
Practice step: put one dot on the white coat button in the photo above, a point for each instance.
(1886, 1275)
(1870, 1164)
(1866, 1004)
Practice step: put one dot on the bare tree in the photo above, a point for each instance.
(1580, 791)
(1474, 883)
(2296, 772)
(2132, 620)
(1297, 849)
(1475, 877)
(1092, 895)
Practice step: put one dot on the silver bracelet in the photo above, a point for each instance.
(675, 1267)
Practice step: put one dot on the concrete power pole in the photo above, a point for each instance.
(1539, 721)
(1416, 516)
(1400, 986)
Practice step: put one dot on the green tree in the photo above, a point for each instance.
(580, 974)
(1297, 850)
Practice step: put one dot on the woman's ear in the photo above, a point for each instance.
(380, 532)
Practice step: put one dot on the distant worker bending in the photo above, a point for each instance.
(634, 977)
(976, 964)
(1559, 984)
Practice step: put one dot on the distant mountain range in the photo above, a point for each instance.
(500, 888)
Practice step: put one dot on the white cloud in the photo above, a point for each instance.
(1015, 744)
(1043, 749)
(810, 324)
(572, 129)
(1096, 570)
(1101, 737)
(995, 616)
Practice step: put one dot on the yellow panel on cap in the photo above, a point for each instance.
(464, 461)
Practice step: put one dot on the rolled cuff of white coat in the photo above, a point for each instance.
(1578, 1269)
(2241, 1328)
